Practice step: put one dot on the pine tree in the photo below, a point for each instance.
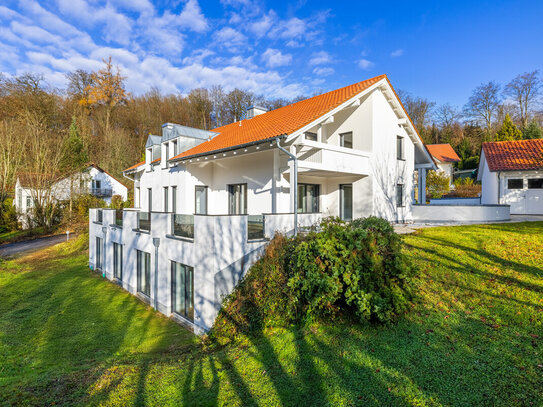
(508, 131)
(532, 131)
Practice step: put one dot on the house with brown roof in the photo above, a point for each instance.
(206, 202)
(511, 173)
(444, 157)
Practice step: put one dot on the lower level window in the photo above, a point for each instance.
(183, 290)
(99, 249)
(117, 261)
(399, 196)
(308, 198)
(144, 272)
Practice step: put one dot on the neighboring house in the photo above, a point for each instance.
(92, 180)
(445, 157)
(512, 173)
(208, 201)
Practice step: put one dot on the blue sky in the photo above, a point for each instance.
(435, 49)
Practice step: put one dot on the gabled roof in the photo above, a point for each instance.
(443, 152)
(514, 155)
(134, 166)
(283, 121)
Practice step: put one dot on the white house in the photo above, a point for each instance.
(92, 180)
(511, 173)
(207, 202)
(444, 157)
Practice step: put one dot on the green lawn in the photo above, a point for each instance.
(17, 235)
(474, 338)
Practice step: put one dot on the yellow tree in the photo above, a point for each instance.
(106, 89)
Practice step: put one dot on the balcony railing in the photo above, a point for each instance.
(255, 227)
(144, 221)
(183, 226)
(101, 192)
(119, 217)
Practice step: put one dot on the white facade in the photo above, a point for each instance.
(521, 190)
(357, 160)
(446, 168)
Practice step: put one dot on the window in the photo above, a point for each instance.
(346, 202)
(166, 198)
(99, 249)
(149, 155)
(150, 199)
(138, 197)
(28, 202)
(237, 199)
(346, 140)
(200, 200)
(183, 290)
(399, 195)
(308, 198)
(174, 199)
(144, 272)
(311, 136)
(20, 199)
(174, 148)
(399, 148)
(535, 183)
(515, 183)
(99, 216)
(117, 261)
(167, 155)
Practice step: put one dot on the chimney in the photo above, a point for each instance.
(253, 111)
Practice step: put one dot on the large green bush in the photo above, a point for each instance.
(352, 269)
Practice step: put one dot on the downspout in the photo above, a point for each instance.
(294, 181)
(499, 187)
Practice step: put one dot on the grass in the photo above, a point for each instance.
(18, 235)
(474, 337)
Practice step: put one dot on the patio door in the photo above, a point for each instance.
(346, 202)
(183, 290)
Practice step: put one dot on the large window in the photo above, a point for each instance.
(117, 261)
(535, 183)
(144, 272)
(183, 290)
(399, 148)
(399, 195)
(150, 199)
(237, 199)
(308, 198)
(99, 250)
(346, 140)
(200, 200)
(346, 202)
(166, 198)
(174, 199)
(515, 183)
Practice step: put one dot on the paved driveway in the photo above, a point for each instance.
(28, 246)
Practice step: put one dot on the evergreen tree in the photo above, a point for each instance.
(508, 131)
(532, 131)
(75, 153)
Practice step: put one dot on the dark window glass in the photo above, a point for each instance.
(201, 200)
(515, 183)
(399, 195)
(99, 250)
(166, 198)
(346, 140)
(174, 199)
(117, 261)
(144, 272)
(183, 290)
(308, 198)
(174, 148)
(311, 136)
(346, 202)
(150, 198)
(237, 199)
(535, 183)
(399, 148)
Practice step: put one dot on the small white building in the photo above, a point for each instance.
(445, 157)
(92, 180)
(511, 173)
(207, 202)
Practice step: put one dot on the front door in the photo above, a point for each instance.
(346, 202)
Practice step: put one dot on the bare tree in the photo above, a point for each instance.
(524, 90)
(447, 115)
(483, 105)
(419, 109)
(11, 157)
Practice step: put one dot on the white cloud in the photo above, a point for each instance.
(323, 71)
(319, 58)
(365, 64)
(230, 38)
(192, 18)
(397, 53)
(275, 58)
(288, 29)
(260, 27)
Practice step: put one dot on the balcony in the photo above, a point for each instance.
(183, 226)
(144, 221)
(101, 192)
(315, 156)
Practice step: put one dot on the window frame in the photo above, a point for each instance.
(305, 195)
(166, 196)
(206, 195)
(243, 199)
(174, 199)
(342, 139)
(118, 261)
(400, 199)
(539, 184)
(141, 256)
(149, 199)
(400, 148)
(188, 312)
(312, 136)
(342, 201)
(99, 253)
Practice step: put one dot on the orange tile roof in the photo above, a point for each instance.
(514, 155)
(443, 152)
(135, 166)
(285, 120)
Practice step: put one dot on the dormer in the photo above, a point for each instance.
(152, 150)
(177, 139)
(253, 111)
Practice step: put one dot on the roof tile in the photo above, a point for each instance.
(514, 155)
(443, 152)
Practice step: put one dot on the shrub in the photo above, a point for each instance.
(9, 219)
(84, 202)
(118, 203)
(466, 188)
(352, 268)
(437, 184)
